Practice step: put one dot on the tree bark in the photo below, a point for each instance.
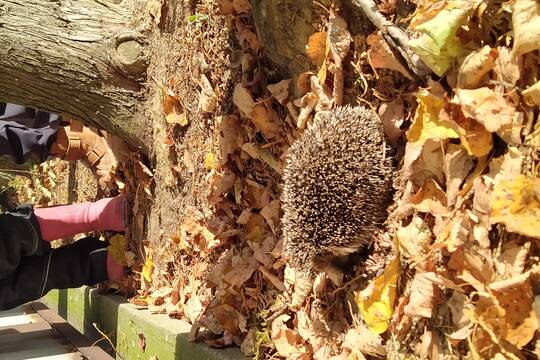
(79, 58)
(284, 27)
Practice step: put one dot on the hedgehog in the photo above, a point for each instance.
(337, 183)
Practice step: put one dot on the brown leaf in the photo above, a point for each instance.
(414, 239)
(457, 166)
(382, 57)
(262, 121)
(430, 199)
(230, 138)
(207, 99)
(421, 298)
(360, 338)
(475, 67)
(274, 280)
(339, 38)
(507, 66)
(243, 100)
(240, 272)
(173, 109)
(392, 117)
(316, 48)
(241, 6)
(525, 26)
(485, 106)
(288, 342)
(280, 90)
(271, 214)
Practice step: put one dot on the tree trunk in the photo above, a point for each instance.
(284, 27)
(78, 58)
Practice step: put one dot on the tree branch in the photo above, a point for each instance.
(396, 38)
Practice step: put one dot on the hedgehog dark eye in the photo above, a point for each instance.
(259, 137)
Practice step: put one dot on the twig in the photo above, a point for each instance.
(108, 339)
(396, 38)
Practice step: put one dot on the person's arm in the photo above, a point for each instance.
(26, 133)
(20, 236)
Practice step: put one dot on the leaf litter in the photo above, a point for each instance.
(456, 275)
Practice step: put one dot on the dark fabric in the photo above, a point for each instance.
(26, 133)
(20, 236)
(81, 263)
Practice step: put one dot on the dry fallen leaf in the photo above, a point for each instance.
(382, 57)
(230, 138)
(427, 123)
(414, 239)
(148, 268)
(208, 98)
(475, 67)
(458, 164)
(243, 100)
(532, 94)
(359, 338)
(262, 154)
(316, 48)
(288, 343)
(376, 302)
(173, 109)
(339, 38)
(526, 26)
(421, 298)
(280, 91)
(507, 66)
(516, 204)
(430, 199)
(392, 116)
(473, 135)
(485, 106)
(438, 44)
(260, 117)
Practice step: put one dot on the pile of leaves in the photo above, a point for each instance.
(457, 272)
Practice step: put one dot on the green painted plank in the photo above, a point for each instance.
(164, 337)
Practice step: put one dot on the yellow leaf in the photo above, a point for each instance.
(176, 118)
(438, 44)
(516, 204)
(376, 303)
(209, 161)
(148, 268)
(117, 248)
(427, 123)
(473, 135)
